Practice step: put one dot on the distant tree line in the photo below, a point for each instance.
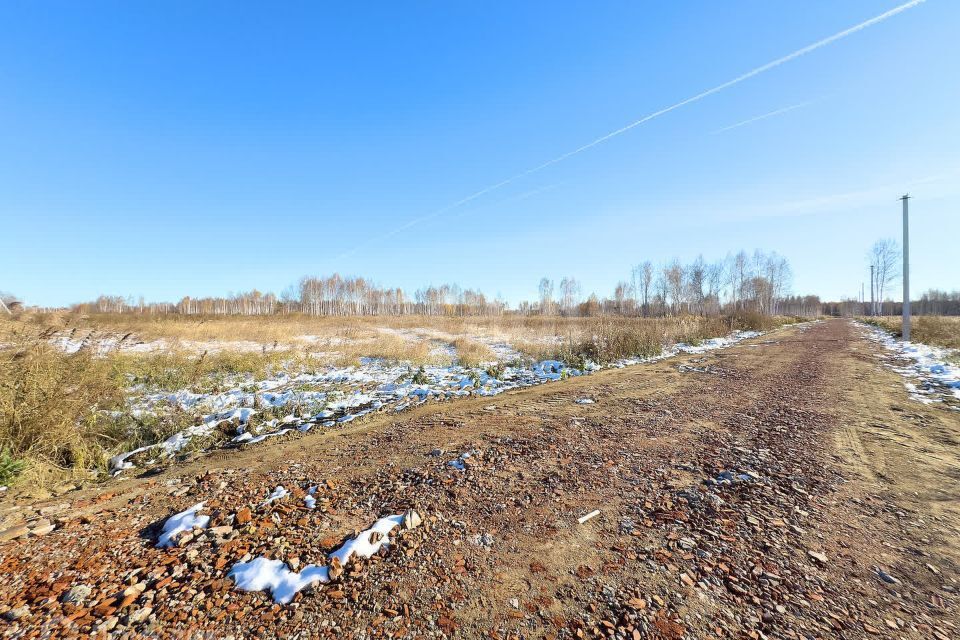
(331, 296)
(759, 282)
(931, 303)
(741, 282)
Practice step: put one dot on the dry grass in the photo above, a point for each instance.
(355, 337)
(63, 414)
(471, 353)
(50, 407)
(56, 409)
(942, 331)
(390, 347)
(606, 339)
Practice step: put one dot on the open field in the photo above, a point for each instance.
(342, 339)
(733, 488)
(83, 392)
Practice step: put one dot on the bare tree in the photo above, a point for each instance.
(673, 274)
(569, 294)
(884, 256)
(739, 270)
(696, 278)
(663, 289)
(714, 285)
(646, 278)
(620, 296)
(546, 296)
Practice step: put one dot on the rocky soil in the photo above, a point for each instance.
(729, 507)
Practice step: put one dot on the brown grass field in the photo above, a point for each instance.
(942, 331)
(63, 413)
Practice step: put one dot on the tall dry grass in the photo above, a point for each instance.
(394, 337)
(392, 348)
(606, 339)
(64, 413)
(471, 353)
(51, 406)
(941, 331)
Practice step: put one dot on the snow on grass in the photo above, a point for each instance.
(184, 521)
(249, 438)
(931, 367)
(261, 574)
(338, 395)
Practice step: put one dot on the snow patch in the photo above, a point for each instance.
(338, 395)
(262, 574)
(934, 376)
(184, 521)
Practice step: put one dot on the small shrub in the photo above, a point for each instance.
(10, 467)
(420, 377)
(753, 321)
(495, 370)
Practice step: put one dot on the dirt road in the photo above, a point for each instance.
(783, 488)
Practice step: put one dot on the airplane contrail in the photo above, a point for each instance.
(647, 118)
(763, 117)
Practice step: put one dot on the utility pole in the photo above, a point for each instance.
(873, 305)
(905, 330)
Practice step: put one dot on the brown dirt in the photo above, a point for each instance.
(843, 465)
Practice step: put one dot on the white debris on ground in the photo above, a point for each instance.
(261, 574)
(278, 493)
(244, 414)
(184, 521)
(929, 374)
(459, 463)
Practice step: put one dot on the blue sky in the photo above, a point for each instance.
(201, 148)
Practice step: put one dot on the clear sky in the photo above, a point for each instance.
(200, 148)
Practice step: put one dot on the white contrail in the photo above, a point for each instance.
(647, 118)
(762, 117)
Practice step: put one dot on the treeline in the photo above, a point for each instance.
(931, 303)
(337, 296)
(759, 283)
(331, 296)
(740, 282)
